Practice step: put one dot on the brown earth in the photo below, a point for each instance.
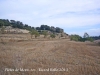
(76, 58)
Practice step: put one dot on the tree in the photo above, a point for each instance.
(99, 43)
(26, 25)
(42, 27)
(6, 22)
(34, 32)
(47, 27)
(52, 29)
(90, 39)
(20, 25)
(14, 26)
(37, 28)
(86, 35)
(75, 37)
(52, 36)
(87, 38)
(1, 23)
(57, 29)
(79, 38)
(45, 33)
(2, 29)
(12, 21)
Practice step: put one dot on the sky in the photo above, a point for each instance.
(74, 16)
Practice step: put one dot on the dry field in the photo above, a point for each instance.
(66, 57)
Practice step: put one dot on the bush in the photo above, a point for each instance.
(34, 32)
(52, 35)
(90, 39)
(45, 33)
(75, 37)
(79, 38)
(99, 43)
(2, 30)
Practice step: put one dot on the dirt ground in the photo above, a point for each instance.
(49, 57)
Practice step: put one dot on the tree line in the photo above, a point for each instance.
(36, 31)
(85, 37)
(20, 25)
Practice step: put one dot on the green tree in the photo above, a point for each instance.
(2, 30)
(45, 33)
(90, 39)
(52, 36)
(87, 38)
(99, 43)
(1, 23)
(75, 37)
(35, 33)
(32, 33)
(44, 27)
(86, 35)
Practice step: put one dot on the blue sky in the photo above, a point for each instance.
(74, 16)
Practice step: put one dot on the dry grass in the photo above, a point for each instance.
(79, 58)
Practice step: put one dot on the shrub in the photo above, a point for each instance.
(52, 35)
(99, 43)
(45, 33)
(79, 38)
(90, 39)
(75, 37)
(34, 32)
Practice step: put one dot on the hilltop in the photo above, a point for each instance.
(12, 26)
(20, 25)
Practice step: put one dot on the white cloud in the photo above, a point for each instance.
(73, 21)
(61, 13)
(94, 32)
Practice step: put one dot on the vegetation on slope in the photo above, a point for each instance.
(79, 38)
(20, 25)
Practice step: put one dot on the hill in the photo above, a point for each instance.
(17, 27)
(20, 54)
(20, 25)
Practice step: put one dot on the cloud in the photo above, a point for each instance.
(94, 32)
(60, 13)
(70, 20)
